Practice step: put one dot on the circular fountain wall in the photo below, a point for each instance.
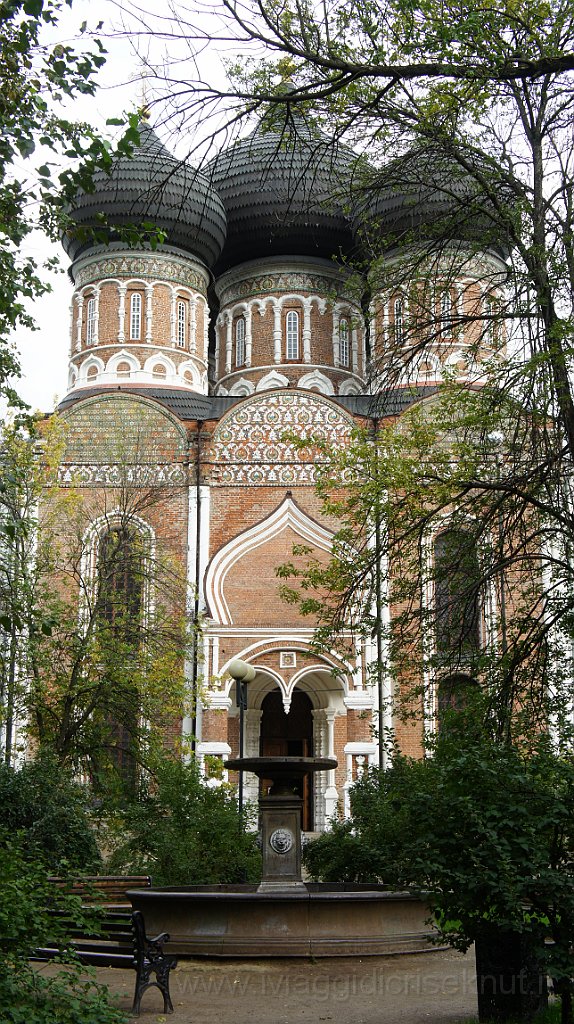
(317, 920)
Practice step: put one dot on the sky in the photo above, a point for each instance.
(44, 353)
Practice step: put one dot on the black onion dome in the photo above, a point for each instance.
(284, 191)
(152, 186)
(427, 195)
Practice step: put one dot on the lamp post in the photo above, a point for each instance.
(242, 673)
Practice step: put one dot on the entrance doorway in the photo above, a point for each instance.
(289, 736)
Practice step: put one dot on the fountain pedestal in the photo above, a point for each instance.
(281, 843)
(280, 813)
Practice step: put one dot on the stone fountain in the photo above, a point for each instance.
(284, 916)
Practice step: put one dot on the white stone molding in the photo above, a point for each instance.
(149, 313)
(79, 320)
(277, 331)
(122, 292)
(272, 380)
(102, 474)
(192, 325)
(192, 539)
(242, 387)
(316, 381)
(189, 366)
(350, 387)
(159, 359)
(248, 335)
(92, 360)
(89, 557)
(228, 343)
(173, 316)
(287, 515)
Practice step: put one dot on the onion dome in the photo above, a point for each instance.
(153, 187)
(284, 189)
(427, 195)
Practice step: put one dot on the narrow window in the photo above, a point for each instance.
(120, 607)
(398, 322)
(457, 583)
(135, 316)
(91, 322)
(344, 343)
(240, 341)
(181, 322)
(446, 314)
(292, 334)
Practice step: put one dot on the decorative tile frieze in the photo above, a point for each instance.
(111, 475)
(250, 446)
(138, 265)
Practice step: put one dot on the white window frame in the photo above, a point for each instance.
(240, 351)
(91, 320)
(181, 322)
(446, 314)
(398, 323)
(135, 316)
(344, 346)
(292, 335)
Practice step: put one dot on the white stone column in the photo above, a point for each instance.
(331, 795)
(336, 323)
(355, 349)
(173, 318)
(79, 319)
(229, 343)
(192, 331)
(97, 290)
(277, 333)
(149, 312)
(307, 330)
(248, 335)
(122, 290)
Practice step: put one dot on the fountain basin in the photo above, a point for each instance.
(319, 921)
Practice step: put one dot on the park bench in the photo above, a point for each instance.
(117, 938)
(121, 941)
(105, 890)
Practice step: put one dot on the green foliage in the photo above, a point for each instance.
(183, 832)
(486, 830)
(41, 802)
(36, 191)
(27, 898)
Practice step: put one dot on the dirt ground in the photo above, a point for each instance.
(429, 988)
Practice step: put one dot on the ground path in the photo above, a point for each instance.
(431, 988)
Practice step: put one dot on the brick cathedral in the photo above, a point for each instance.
(190, 362)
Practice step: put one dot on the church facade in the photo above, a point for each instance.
(194, 368)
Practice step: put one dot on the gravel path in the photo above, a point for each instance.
(431, 988)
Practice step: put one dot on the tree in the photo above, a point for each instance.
(475, 110)
(96, 628)
(35, 77)
(485, 830)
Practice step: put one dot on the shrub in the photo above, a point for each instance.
(41, 800)
(183, 832)
(72, 996)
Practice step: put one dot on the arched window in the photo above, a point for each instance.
(91, 321)
(343, 342)
(120, 591)
(240, 341)
(292, 334)
(181, 322)
(398, 323)
(135, 316)
(457, 588)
